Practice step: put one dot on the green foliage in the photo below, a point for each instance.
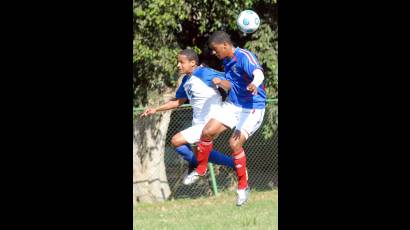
(271, 118)
(264, 45)
(155, 46)
(209, 16)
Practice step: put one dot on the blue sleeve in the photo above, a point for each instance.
(181, 91)
(207, 74)
(219, 75)
(249, 63)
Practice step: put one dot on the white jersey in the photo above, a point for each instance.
(201, 93)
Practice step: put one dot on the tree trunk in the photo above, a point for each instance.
(149, 176)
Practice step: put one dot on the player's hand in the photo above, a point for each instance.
(216, 81)
(147, 112)
(251, 87)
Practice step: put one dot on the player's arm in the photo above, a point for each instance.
(225, 84)
(251, 67)
(167, 106)
(258, 78)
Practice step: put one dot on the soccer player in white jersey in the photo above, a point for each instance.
(244, 109)
(202, 93)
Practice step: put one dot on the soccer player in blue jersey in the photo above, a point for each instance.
(198, 88)
(244, 108)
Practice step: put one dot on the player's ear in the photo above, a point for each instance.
(193, 62)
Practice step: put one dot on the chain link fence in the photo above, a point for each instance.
(261, 153)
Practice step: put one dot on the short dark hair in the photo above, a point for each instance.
(190, 54)
(219, 37)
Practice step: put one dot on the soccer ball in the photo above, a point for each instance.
(248, 21)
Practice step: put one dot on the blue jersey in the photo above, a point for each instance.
(239, 71)
(201, 92)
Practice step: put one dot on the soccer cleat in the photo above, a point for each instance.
(187, 171)
(243, 196)
(192, 178)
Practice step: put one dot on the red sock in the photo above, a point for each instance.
(204, 149)
(240, 168)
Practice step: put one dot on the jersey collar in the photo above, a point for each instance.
(228, 61)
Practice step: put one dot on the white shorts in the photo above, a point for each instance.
(245, 120)
(193, 133)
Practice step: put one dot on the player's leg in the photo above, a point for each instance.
(219, 158)
(191, 136)
(183, 148)
(236, 142)
(225, 118)
(184, 143)
(203, 151)
(211, 130)
(215, 157)
(249, 121)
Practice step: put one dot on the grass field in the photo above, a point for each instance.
(218, 212)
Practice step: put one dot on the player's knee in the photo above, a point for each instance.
(235, 145)
(207, 134)
(175, 142)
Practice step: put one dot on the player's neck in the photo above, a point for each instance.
(190, 73)
(231, 52)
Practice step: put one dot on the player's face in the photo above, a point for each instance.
(220, 50)
(185, 66)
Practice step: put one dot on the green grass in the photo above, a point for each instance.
(220, 212)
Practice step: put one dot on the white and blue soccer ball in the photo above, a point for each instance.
(248, 21)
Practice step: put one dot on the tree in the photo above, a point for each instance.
(161, 29)
(155, 49)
